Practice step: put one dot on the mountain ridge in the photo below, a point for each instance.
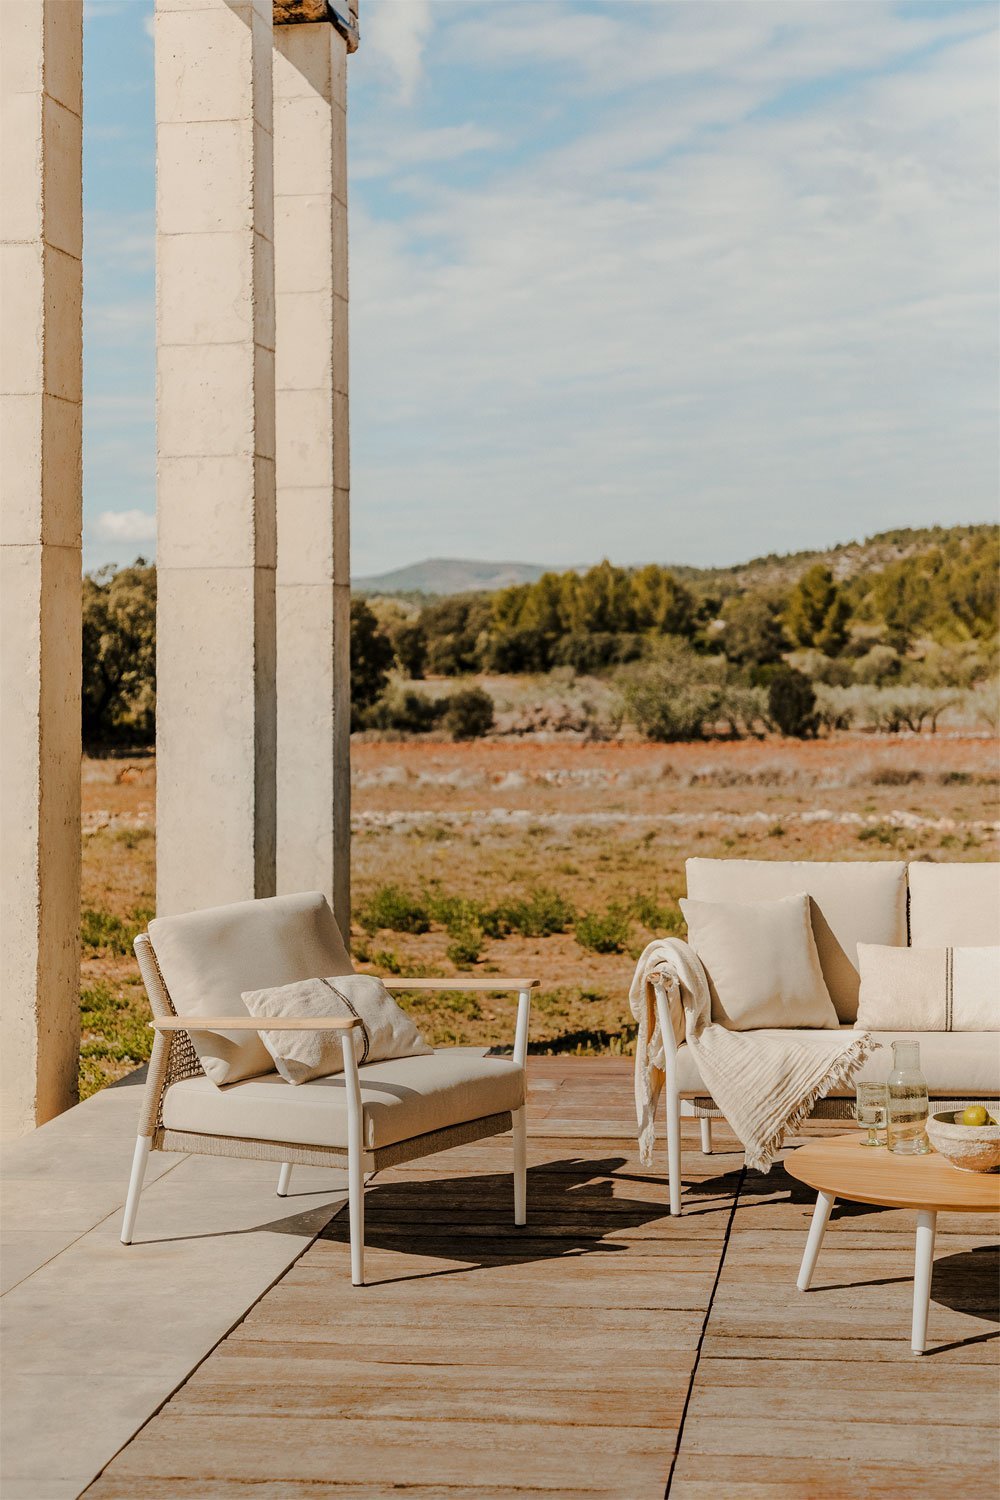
(437, 577)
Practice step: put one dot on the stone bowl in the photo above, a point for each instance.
(971, 1148)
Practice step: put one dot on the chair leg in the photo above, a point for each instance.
(520, 1166)
(673, 1145)
(706, 1135)
(284, 1179)
(356, 1209)
(143, 1145)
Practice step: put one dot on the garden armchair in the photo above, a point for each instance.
(212, 1088)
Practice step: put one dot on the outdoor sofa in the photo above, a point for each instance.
(212, 1087)
(922, 905)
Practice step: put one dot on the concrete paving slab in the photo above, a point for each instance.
(96, 1334)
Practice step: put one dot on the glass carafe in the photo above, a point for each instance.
(908, 1105)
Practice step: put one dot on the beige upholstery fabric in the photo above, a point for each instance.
(954, 906)
(302, 1055)
(405, 1097)
(854, 901)
(208, 958)
(761, 963)
(929, 989)
(959, 1063)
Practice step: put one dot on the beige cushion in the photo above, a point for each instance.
(761, 961)
(405, 1097)
(956, 1064)
(302, 1055)
(954, 906)
(208, 958)
(929, 989)
(854, 901)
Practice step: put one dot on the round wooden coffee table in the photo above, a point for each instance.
(840, 1167)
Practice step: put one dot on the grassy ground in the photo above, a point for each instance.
(559, 859)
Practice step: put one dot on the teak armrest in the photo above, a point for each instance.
(254, 1023)
(485, 985)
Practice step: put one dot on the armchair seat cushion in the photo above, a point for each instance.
(401, 1098)
(955, 1063)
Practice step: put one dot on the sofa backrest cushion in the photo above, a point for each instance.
(853, 901)
(208, 958)
(954, 906)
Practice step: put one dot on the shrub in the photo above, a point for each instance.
(607, 933)
(469, 714)
(541, 914)
(103, 931)
(466, 945)
(791, 702)
(673, 697)
(409, 712)
(392, 908)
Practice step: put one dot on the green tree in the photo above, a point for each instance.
(752, 635)
(409, 642)
(818, 612)
(660, 603)
(371, 658)
(456, 631)
(119, 655)
(791, 703)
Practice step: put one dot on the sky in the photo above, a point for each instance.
(684, 281)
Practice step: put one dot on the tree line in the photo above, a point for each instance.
(938, 604)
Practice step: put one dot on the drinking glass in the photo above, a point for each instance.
(872, 1111)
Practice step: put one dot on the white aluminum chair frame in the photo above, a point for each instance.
(171, 1029)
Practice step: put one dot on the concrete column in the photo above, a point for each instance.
(313, 577)
(40, 396)
(215, 807)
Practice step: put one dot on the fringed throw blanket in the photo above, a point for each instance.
(765, 1083)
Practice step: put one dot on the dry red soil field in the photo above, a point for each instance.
(487, 847)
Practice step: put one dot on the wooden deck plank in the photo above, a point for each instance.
(560, 1360)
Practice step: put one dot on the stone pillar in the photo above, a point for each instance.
(313, 577)
(41, 232)
(215, 807)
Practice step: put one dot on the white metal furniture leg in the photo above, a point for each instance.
(520, 1165)
(139, 1159)
(706, 1135)
(672, 1096)
(673, 1144)
(355, 1161)
(923, 1270)
(284, 1179)
(820, 1219)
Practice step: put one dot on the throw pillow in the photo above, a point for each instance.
(761, 961)
(302, 1055)
(928, 989)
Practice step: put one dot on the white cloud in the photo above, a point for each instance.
(702, 323)
(396, 33)
(124, 526)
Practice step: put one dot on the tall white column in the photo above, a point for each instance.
(313, 576)
(41, 232)
(215, 433)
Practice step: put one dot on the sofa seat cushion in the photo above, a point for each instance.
(404, 1097)
(853, 901)
(955, 1063)
(954, 906)
(208, 958)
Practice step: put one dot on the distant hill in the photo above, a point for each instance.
(445, 575)
(845, 559)
(449, 575)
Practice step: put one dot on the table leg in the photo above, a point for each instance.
(922, 1271)
(821, 1215)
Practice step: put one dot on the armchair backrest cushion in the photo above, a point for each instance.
(852, 900)
(208, 958)
(954, 906)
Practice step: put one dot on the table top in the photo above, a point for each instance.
(840, 1165)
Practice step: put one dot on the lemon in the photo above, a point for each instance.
(975, 1114)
